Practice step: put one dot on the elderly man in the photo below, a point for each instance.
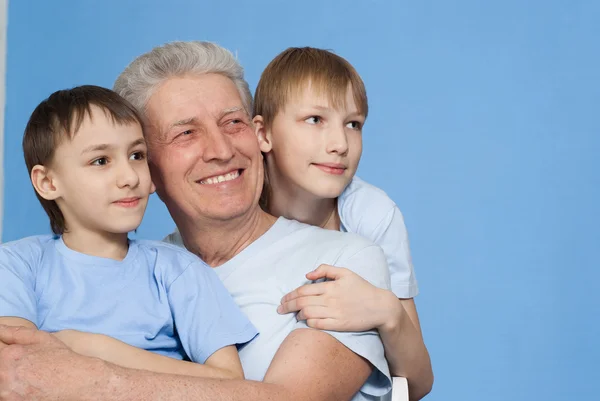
(208, 169)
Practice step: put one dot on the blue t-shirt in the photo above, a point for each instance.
(160, 297)
(367, 211)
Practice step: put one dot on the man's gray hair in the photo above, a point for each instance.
(139, 80)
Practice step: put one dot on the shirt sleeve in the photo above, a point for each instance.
(370, 264)
(17, 282)
(206, 317)
(391, 235)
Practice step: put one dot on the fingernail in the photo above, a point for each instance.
(279, 309)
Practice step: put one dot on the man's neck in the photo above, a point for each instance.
(100, 244)
(216, 242)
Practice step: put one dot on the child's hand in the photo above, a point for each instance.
(348, 303)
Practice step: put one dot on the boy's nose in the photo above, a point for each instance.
(337, 141)
(127, 177)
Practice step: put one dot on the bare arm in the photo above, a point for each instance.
(17, 321)
(224, 363)
(350, 303)
(404, 347)
(310, 365)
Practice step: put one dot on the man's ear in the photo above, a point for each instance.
(44, 182)
(265, 140)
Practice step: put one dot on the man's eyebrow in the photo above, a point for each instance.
(178, 123)
(186, 121)
(230, 110)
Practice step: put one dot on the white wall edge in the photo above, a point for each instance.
(3, 34)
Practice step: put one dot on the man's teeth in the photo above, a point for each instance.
(221, 178)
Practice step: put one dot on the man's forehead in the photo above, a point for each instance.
(199, 98)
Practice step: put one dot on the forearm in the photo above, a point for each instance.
(120, 384)
(16, 321)
(406, 352)
(127, 356)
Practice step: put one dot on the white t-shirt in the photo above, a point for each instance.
(367, 211)
(275, 264)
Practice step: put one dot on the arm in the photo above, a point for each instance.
(309, 365)
(17, 321)
(18, 306)
(224, 363)
(350, 303)
(404, 347)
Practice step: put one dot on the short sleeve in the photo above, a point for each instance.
(370, 264)
(17, 282)
(392, 237)
(206, 317)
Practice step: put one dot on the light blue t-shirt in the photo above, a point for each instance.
(160, 298)
(367, 211)
(275, 264)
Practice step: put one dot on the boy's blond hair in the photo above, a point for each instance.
(294, 68)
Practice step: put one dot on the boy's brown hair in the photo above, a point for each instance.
(58, 118)
(291, 70)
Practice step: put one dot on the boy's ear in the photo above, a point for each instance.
(152, 187)
(264, 136)
(43, 182)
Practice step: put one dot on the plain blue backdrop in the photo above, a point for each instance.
(484, 127)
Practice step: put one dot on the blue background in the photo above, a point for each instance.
(484, 127)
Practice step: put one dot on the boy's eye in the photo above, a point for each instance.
(353, 125)
(313, 120)
(137, 156)
(101, 161)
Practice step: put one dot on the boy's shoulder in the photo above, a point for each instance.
(28, 245)
(363, 207)
(28, 250)
(361, 191)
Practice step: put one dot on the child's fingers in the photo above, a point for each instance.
(327, 272)
(297, 304)
(314, 312)
(306, 290)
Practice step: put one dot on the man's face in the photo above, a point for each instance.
(204, 155)
(316, 147)
(101, 176)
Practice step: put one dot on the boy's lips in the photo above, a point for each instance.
(331, 168)
(128, 202)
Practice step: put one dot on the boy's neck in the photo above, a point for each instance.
(103, 245)
(306, 209)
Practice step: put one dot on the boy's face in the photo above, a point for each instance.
(315, 146)
(101, 176)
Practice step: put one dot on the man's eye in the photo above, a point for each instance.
(186, 132)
